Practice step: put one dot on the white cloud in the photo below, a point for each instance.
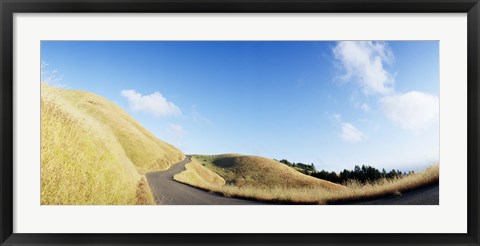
(365, 107)
(413, 110)
(351, 134)
(176, 130)
(364, 60)
(154, 103)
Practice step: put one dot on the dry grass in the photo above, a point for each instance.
(302, 192)
(141, 147)
(143, 195)
(260, 172)
(92, 152)
(201, 177)
(385, 187)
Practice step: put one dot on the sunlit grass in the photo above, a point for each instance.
(270, 188)
(92, 152)
(256, 171)
(200, 176)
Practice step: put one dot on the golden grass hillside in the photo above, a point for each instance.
(267, 180)
(251, 177)
(200, 176)
(93, 152)
(256, 171)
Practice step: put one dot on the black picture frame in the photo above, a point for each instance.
(9, 7)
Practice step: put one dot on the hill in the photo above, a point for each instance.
(253, 177)
(93, 152)
(245, 170)
(264, 179)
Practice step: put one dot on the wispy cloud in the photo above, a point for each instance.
(51, 76)
(364, 61)
(337, 117)
(176, 130)
(176, 135)
(413, 110)
(363, 106)
(155, 103)
(351, 134)
(199, 117)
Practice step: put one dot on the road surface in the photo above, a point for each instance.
(170, 192)
(428, 195)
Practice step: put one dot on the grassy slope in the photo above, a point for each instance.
(267, 180)
(200, 176)
(93, 152)
(253, 177)
(260, 172)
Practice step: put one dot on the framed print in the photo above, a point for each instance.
(235, 122)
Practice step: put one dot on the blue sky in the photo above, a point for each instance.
(334, 104)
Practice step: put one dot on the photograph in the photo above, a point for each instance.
(250, 122)
(301, 122)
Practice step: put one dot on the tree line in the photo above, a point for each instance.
(363, 174)
(304, 168)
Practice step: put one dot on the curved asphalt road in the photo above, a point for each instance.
(170, 192)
